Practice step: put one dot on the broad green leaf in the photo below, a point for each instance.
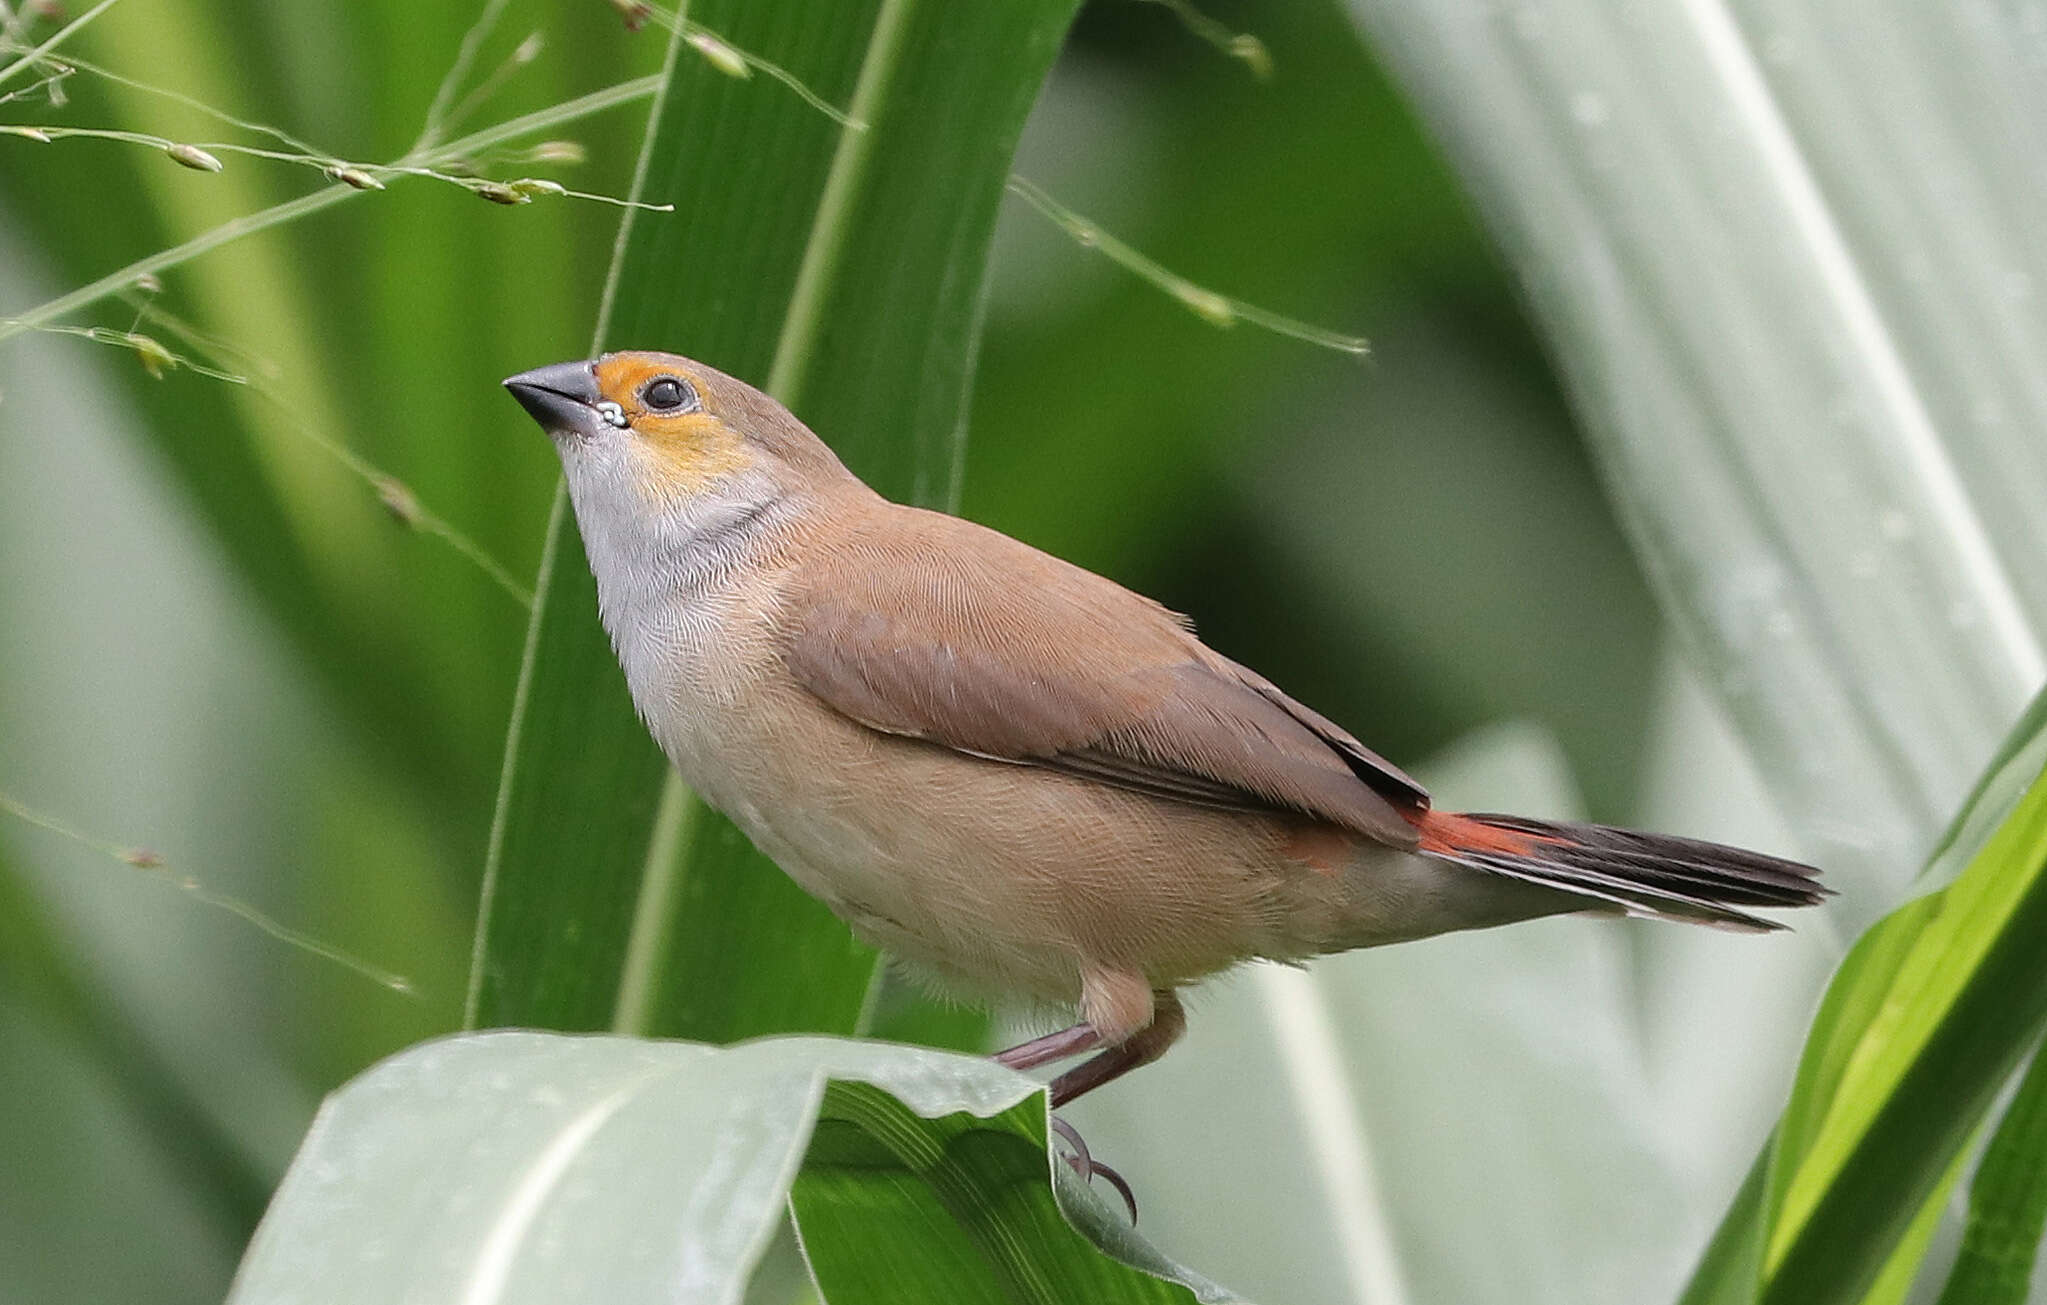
(514, 1166)
(894, 1207)
(842, 268)
(1728, 1270)
(2007, 1204)
(1902, 1268)
(1964, 1006)
(1923, 1023)
(1863, 989)
(1813, 425)
(1856, 997)
(1815, 414)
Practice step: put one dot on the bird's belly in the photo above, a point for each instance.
(994, 876)
(1014, 878)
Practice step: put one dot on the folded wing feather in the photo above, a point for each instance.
(955, 634)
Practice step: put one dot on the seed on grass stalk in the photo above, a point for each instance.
(148, 284)
(530, 186)
(143, 858)
(156, 359)
(352, 176)
(634, 12)
(529, 50)
(498, 193)
(719, 55)
(29, 133)
(398, 500)
(192, 156)
(1207, 304)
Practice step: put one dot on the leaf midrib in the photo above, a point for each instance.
(661, 873)
(543, 582)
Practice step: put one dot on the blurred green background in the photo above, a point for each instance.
(216, 644)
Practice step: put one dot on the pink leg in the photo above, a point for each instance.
(1134, 1052)
(1114, 1005)
(1053, 1046)
(1121, 1001)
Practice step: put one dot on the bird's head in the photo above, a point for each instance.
(658, 443)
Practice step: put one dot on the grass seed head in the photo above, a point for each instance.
(352, 176)
(719, 55)
(192, 156)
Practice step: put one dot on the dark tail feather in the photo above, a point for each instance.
(1641, 874)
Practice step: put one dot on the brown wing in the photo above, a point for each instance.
(931, 627)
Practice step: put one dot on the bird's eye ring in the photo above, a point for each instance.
(668, 394)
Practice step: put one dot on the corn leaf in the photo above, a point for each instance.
(841, 267)
(1806, 366)
(513, 1166)
(2007, 1204)
(1922, 1025)
(894, 1207)
(1782, 255)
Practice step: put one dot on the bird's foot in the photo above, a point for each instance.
(1089, 1168)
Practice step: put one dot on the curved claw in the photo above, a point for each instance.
(1089, 1168)
(1122, 1189)
(1082, 1162)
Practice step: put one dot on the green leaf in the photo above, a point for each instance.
(515, 1166)
(1802, 397)
(1855, 998)
(1901, 1269)
(1964, 1006)
(842, 268)
(1863, 988)
(894, 1207)
(1727, 1272)
(1773, 374)
(1922, 1025)
(2007, 1204)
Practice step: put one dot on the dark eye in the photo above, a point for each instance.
(668, 394)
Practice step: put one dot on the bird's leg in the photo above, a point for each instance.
(1057, 1046)
(1138, 1025)
(1120, 1011)
(1053, 1046)
(1168, 1022)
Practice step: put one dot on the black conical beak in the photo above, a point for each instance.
(562, 397)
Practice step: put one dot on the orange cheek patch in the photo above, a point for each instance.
(681, 454)
(688, 454)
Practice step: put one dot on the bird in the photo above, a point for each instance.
(1016, 776)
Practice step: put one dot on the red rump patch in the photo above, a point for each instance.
(1445, 833)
